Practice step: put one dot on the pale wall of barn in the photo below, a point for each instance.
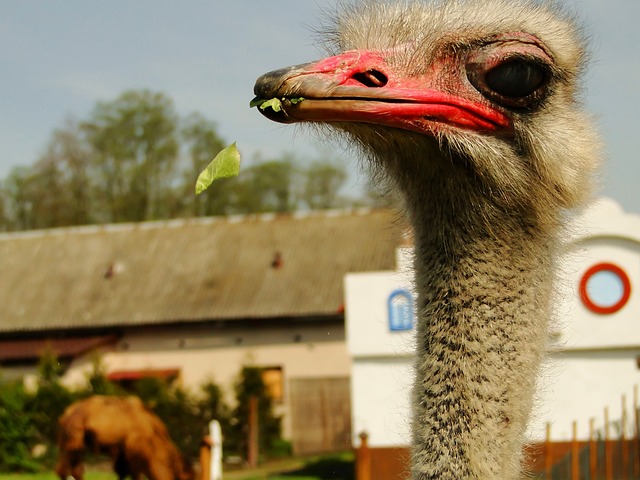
(312, 351)
(593, 356)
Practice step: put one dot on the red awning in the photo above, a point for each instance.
(138, 374)
(32, 349)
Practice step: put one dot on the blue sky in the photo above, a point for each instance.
(58, 58)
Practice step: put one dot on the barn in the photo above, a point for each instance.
(322, 301)
(195, 300)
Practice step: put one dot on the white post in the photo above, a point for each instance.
(215, 433)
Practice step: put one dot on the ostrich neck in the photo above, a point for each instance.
(483, 274)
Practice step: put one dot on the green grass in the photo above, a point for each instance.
(327, 467)
(52, 476)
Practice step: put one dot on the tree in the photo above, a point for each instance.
(204, 144)
(134, 139)
(323, 181)
(176, 408)
(266, 187)
(250, 384)
(18, 203)
(211, 406)
(17, 433)
(49, 401)
(56, 190)
(97, 381)
(67, 164)
(130, 161)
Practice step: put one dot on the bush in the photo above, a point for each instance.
(250, 384)
(30, 419)
(98, 383)
(47, 403)
(211, 406)
(177, 409)
(17, 430)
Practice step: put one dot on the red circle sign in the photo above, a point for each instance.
(622, 299)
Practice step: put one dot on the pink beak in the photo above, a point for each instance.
(361, 86)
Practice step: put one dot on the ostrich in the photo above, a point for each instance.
(469, 109)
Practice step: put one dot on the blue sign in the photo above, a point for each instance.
(400, 305)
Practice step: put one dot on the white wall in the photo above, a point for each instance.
(592, 360)
(382, 360)
(578, 386)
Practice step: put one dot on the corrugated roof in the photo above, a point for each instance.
(197, 269)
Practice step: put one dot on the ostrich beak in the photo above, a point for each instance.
(361, 86)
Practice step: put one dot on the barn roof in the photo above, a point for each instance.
(225, 268)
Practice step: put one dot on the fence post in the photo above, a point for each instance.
(205, 458)
(548, 460)
(624, 447)
(252, 454)
(363, 458)
(608, 454)
(593, 450)
(636, 431)
(215, 456)
(575, 452)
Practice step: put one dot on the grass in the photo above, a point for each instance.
(326, 467)
(52, 476)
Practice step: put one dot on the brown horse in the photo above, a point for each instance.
(136, 440)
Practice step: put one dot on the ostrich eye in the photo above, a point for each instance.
(519, 82)
(515, 79)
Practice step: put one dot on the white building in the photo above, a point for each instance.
(594, 342)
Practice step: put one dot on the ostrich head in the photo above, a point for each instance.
(470, 108)
(483, 89)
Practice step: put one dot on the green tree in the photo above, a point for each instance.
(17, 433)
(211, 406)
(18, 202)
(56, 190)
(135, 145)
(323, 181)
(176, 408)
(250, 384)
(266, 187)
(97, 381)
(49, 401)
(204, 144)
(130, 161)
(70, 156)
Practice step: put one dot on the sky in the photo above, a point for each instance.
(59, 58)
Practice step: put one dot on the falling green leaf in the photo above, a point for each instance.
(225, 164)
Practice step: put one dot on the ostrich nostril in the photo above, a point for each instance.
(371, 78)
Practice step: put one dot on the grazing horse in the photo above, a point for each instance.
(124, 429)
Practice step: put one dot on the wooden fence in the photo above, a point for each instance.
(610, 453)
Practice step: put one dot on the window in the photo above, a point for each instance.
(400, 304)
(605, 288)
(273, 380)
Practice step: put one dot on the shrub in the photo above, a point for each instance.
(250, 384)
(17, 430)
(28, 419)
(47, 403)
